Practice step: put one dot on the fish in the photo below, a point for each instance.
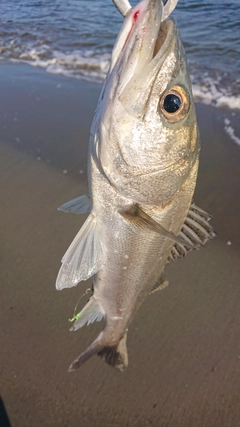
(143, 161)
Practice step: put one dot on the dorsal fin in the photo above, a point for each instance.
(195, 231)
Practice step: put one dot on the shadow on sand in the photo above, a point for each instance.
(4, 420)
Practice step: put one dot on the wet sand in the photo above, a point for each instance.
(184, 344)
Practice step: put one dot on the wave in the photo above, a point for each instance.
(216, 88)
(230, 131)
(80, 64)
(209, 86)
(215, 97)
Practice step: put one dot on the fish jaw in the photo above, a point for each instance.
(136, 41)
(137, 35)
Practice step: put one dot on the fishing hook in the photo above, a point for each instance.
(123, 6)
(76, 316)
(168, 8)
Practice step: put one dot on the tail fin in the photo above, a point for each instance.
(94, 348)
(116, 356)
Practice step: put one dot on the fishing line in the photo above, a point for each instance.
(76, 316)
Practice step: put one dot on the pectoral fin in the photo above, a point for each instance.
(83, 258)
(141, 219)
(79, 205)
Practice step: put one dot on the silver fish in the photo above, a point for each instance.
(142, 168)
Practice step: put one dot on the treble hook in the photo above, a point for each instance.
(168, 8)
(124, 6)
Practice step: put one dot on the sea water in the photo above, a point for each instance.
(75, 38)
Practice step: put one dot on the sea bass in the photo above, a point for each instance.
(142, 168)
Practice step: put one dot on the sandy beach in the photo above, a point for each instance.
(184, 343)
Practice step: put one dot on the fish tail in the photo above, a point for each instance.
(115, 355)
(93, 349)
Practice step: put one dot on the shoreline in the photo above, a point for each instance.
(77, 90)
(183, 344)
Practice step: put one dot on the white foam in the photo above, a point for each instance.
(211, 95)
(78, 65)
(230, 131)
(209, 87)
(87, 64)
(232, 102)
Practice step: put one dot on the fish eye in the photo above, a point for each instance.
(171, 103)
(174, 104)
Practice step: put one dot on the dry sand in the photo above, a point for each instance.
(184, 344)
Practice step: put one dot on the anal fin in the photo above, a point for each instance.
(92, 312)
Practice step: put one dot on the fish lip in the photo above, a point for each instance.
(169, 22)
(142, 22)
(136, 87)
(163, 40)
(150, 28)
(138, 44)
(167, 29)
(164, 31)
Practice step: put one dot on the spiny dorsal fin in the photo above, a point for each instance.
(83, 258)
(79, 205)
(196, 231)
(116, 356)
(160, 284)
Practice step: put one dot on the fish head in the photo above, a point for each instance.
(148, 121)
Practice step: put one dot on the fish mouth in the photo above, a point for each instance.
(145, 46)
(165, 31)
(142, 38)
